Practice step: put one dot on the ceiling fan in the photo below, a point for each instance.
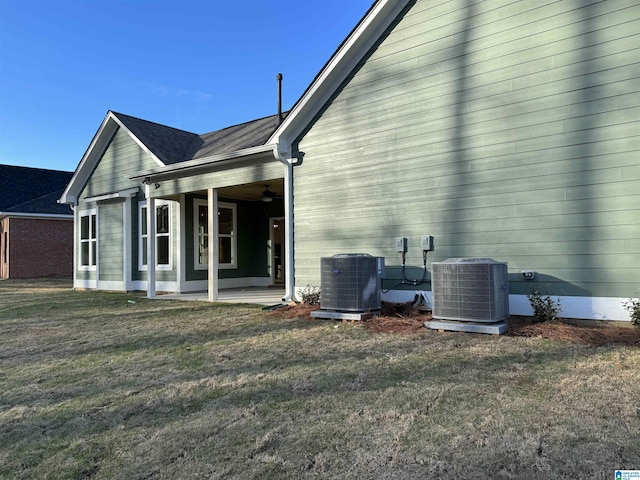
(268, 195)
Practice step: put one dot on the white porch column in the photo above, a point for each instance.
(151, 245)
(181, 270)
(126, 246)
(212, 209)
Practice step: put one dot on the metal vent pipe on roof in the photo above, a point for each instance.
(279, 79)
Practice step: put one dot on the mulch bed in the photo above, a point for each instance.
(597, 334)
(404, 318)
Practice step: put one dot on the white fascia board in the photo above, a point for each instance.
(89, 160)
(193, 167)
(36, 215)
(341, 64)
(129, 192)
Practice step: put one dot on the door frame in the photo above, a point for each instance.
(272, 251)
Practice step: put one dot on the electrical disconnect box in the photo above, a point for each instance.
(427, 243)
(401, 245)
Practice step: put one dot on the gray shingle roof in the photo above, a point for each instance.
(32, 190)
(169, 144)
(172, 145)
(237, 137)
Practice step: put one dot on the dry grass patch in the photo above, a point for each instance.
(92, 386)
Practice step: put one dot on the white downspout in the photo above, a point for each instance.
(289, 293)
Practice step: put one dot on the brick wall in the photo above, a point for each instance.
(40, 247)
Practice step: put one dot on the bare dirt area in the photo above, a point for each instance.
(404, 318)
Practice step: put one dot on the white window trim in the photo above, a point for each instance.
(197, 202)
(93, 238)
(141, 239)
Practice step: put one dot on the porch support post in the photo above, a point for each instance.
(151, 245)
(212, 209)
(181, 260)
(126, 247)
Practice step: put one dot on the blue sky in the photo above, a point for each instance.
(194, 65)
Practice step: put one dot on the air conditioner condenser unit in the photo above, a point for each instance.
(470, 290)
(351, 282)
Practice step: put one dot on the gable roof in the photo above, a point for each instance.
(172, 145)
(169, 146)
(32, 190)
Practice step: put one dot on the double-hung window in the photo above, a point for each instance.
(88, 240)
(227, 241)
(163, 235)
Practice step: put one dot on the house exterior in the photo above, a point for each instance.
(118, 236)
(36, 232)
(506, 129)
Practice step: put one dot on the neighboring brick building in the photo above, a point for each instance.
(36, 232)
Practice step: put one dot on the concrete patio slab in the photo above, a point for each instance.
(254, 295)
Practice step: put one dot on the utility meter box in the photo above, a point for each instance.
(401, 245)
(427, 243)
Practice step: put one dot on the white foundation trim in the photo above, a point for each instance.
(589, 308)
(83, 283)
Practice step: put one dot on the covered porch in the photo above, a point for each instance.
(234, 226)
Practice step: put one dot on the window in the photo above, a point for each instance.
(227, 242)
(88, 236)
(163, 236)
(201, 236)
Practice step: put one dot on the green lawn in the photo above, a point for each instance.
(93, 385)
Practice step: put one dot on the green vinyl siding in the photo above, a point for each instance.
(110, 242)
(226, 175)
(506, 129)
(122, 158)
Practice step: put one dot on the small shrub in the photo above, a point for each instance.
(545, 308)
(633, 307)
(310, 295)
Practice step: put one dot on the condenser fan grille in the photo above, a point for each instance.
(473, 290)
